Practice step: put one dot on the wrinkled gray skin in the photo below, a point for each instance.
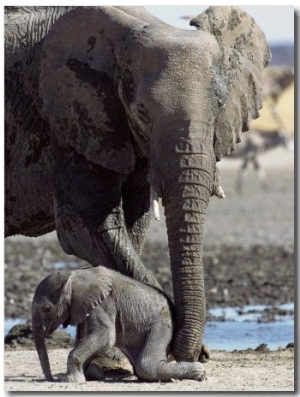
(255, 142)
(102, 103)
(115, 311)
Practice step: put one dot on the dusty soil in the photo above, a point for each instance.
(248, 259)
(226, 371)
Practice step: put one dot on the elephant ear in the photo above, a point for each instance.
(238, 72)
(87, 288)
(78, 90)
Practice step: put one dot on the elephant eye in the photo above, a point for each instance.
(46, 308)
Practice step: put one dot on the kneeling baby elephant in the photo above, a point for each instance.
(116, 311)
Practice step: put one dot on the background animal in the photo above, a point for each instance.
(276, 80)
(103, 103)
(113, 310)
(255, 142)
(272, 127)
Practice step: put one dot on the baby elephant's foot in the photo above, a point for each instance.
(76, 377)
(197, 372)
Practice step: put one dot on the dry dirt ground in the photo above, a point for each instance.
(249, 252)
(226, 371)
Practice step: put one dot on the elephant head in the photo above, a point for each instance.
(65, 297)
(117, 85)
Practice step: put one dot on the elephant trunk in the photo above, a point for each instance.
(185, 232)
(187, 186)
(39, 341)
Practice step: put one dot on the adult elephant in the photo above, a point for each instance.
(103, 102)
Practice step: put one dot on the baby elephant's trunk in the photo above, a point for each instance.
(39, 341)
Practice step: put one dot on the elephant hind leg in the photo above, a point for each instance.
(151, 364)
(112, 362)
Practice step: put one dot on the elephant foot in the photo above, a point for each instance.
(74, 377)
(202, 377)
(110, 363)
(204, 355)
(198, 373)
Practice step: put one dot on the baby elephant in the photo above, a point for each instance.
(116, 311)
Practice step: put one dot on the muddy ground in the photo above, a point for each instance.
(234, 276)
(248, 259)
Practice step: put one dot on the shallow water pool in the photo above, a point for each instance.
(240, 328)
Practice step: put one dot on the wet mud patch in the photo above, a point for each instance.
(234, 276)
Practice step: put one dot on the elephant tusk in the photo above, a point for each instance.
(155, 209)
(220, 192)
(155, 204)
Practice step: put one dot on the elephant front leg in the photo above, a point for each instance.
(99, 338)
(89, 216)
(136, 204)
(125, 257)
(80, 358)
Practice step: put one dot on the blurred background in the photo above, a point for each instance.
(249, 235)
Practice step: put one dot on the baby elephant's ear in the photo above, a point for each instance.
(89, 287)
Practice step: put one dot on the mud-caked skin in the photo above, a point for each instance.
(111, 310)
(104, 104)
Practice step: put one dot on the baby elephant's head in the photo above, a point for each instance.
(66, 297)
(50, 308)
(51, 302)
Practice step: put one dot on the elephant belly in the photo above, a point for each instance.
(28, 203)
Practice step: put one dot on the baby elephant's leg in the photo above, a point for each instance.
(152, 364)
(78, 357)
(97, 339)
